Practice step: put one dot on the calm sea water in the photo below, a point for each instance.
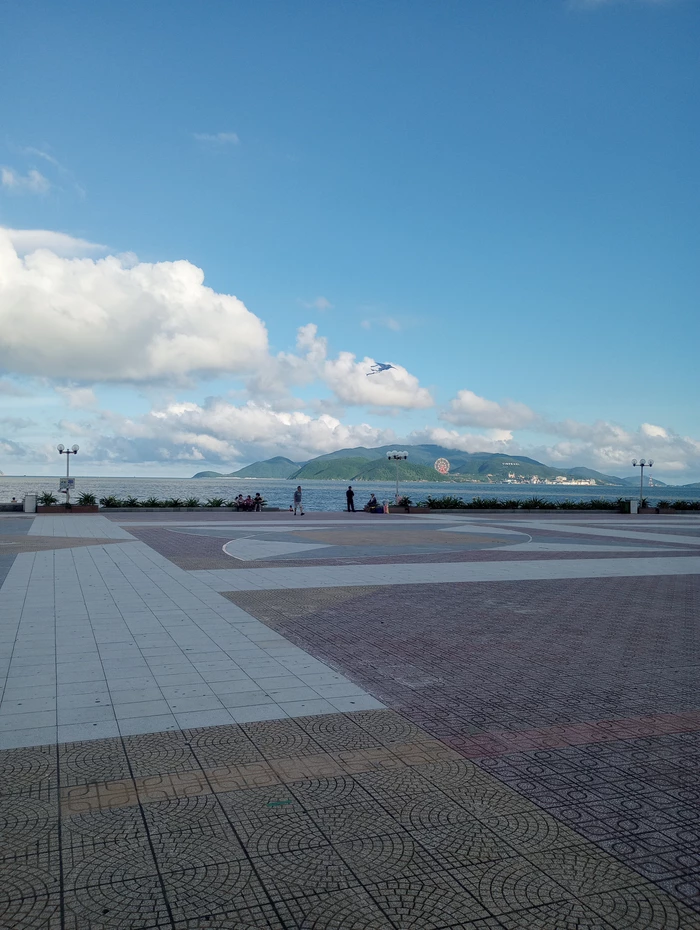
(321, 495)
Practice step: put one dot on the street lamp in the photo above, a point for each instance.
(397, 457)
(642, 464)
(67, 452)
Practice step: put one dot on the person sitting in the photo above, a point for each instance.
(258, 502)
(248, 503)
(373, 505)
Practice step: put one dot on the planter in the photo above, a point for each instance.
(54, 509)
(394, 509)
(183, 510)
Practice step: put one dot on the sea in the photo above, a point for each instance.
(323, 495)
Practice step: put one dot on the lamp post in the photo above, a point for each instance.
(397, 457)
(642, 464)
(67, 452)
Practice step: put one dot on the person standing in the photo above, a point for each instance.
(350, 497)
(297, 501)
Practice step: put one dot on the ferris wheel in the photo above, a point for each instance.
(442, 466)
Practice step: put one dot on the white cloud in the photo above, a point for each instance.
(610, 447)
(649, 429)
(217, 138)
(386, 322)
(79, 398)
(110, 320)
(469, 409)
(10, 389)
(64, 172)
(15, 422)
(344, 375)
(318, 303)
(33, 182)
(348, 380)
(29, 240)
(495, 440)
(220, 432)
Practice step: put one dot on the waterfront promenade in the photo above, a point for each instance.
(350, 722)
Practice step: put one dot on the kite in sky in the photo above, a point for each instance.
(379, 366)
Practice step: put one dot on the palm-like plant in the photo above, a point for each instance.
(152, 502)
(216, 502)
(46, 499)
(86, 499)
(173, 502)
(192, 502)
(110, 501)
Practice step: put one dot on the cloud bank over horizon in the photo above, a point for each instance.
(145, 365)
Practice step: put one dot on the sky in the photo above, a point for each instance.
(215, 217)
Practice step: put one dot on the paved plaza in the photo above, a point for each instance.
(350, 722)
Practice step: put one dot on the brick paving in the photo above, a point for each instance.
(537, 768)
(201, 552)
(582, 695)
(348, 821)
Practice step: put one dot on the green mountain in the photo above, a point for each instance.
(361, 469)
(278, 467)
(335, 469)
(633, 482)
(363, 464)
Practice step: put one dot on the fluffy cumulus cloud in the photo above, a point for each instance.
(113, 320)
(468, 409)
(223, 433)
(29, 240)
(344, 375)
(492, 440)
(610, 447)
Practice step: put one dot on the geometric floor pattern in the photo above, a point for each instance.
(348, 821)
(474, 747)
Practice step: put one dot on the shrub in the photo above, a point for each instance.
(405, 502)
(131, 501)
(152, 502)
(686, 505)
(110, 501)
(448, 502)
(599, 503)
(172, 502)
(86, 499)
(192, 502)
(46, 499)
(485, 503)
(216, 502)
(537, 503)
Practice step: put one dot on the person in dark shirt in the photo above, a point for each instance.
(350, 497)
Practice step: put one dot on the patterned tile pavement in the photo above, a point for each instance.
(349, 821)
(537, 770)
(580, 695)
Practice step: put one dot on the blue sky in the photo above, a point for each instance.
(500, 198)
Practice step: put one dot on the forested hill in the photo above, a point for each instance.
(364, 464)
